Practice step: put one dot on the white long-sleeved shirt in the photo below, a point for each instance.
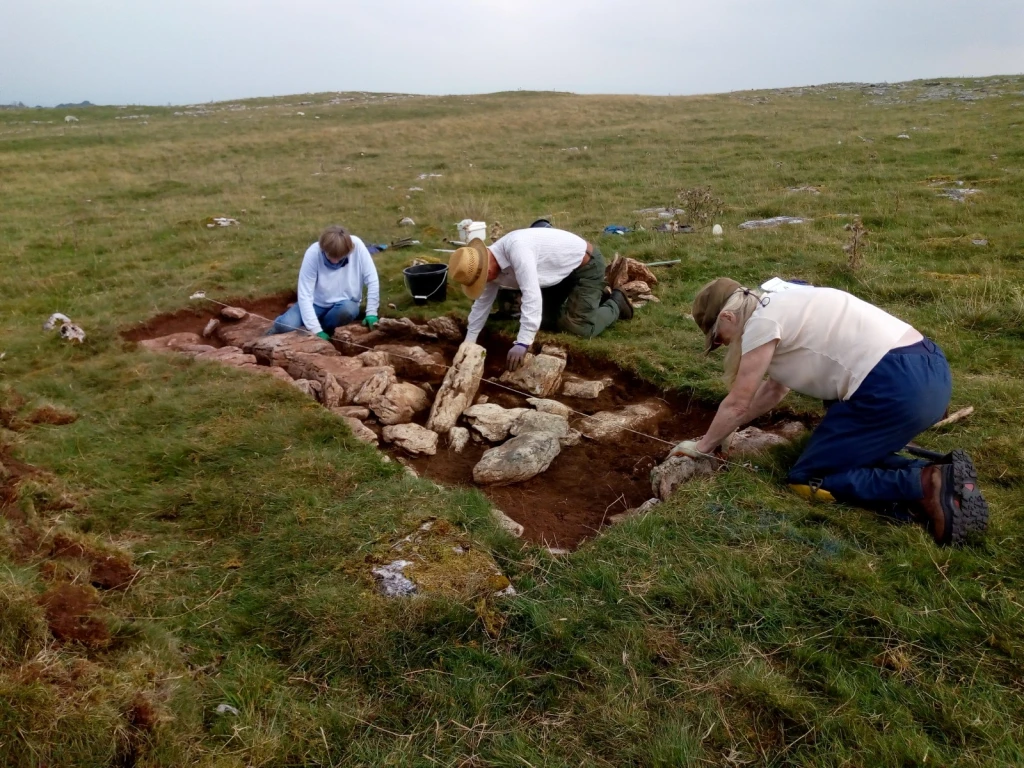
(325, 287)
(530, 259)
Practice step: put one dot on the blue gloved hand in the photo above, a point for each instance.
(323, 335)
(516, 356)
(369, 321)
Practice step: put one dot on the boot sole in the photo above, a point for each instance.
(971, 515)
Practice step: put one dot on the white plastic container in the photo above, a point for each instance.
(469, 229)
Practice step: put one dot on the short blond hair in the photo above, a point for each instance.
(336, 242)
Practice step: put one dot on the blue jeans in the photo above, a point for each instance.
(342, 313)
(853, 451)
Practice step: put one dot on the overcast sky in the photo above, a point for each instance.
(186, 51)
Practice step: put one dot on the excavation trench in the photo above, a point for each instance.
(585, 485)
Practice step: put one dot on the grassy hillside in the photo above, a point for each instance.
(734, 625)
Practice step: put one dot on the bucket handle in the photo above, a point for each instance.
(440, 285)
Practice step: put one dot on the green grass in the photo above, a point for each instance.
(735, 625)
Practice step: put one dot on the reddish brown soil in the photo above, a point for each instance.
(70, 612)
(584, 486)
(47, 414)
(106, 570)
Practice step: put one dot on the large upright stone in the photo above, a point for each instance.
(280, 348)
(458, 389)
(540, 375)
(400, 403)
(517, 460)
(492, 421)
(606, 426)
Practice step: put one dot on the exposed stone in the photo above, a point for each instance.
(550, 406)
(673, 472)
(373, 358)
(572, 437)
(364, 385)
(775, 221)
(172, 342)
(360, 431)
(508, 523)
(211, 327)
(232, 356)
(413, 361)
(752, 440)
(517, 460)
(412, 438)
(312, 365)
(605, 426)
(445, 328)
(540, 422)
(491, 420)
(399, 403)
(458, 437)
(482, 399)
(280, 348)
(460, 386)
(637, 270)
(272, 371)
(539, 375)
(635, 288)
(309, 387)
(643, 508)
(351, 411)
(233, 313)
(551, 349)
(238, 334)
(194, 350)
(616, 273)
(583, 388)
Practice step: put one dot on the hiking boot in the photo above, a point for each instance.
(952, 505)
(625, 308)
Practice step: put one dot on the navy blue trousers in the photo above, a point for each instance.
(339, 314)
(853, 451)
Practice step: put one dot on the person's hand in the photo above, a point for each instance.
(323, 335)
(516, 356)
(369, 321)
(689, 448)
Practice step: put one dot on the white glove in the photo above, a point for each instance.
(689, 448)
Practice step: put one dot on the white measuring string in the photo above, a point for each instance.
(202, 295)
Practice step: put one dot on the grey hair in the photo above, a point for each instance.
(742, 303)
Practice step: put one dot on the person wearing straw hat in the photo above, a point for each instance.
(882, 382)
(334, 271)
(560, 275)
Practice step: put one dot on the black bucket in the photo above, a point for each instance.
(427, 282)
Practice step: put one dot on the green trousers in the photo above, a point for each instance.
(574, 305)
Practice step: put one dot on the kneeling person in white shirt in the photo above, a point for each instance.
(561, 277)
(334, 271)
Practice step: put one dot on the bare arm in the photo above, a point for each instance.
(734, 409)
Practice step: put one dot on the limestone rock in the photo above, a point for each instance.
(280, 348)
(399, 403)
(172, 342)
(643, 508)
(634, 289)
(233, 313)
(364, 385)
(458, 437)
(551, 349)
(412, 438)
(360, 431)
(211, 327)
(413, 361)
(550, 406)
(194, 350)
(673, 472)
(540, 375)
(539, 422)
(482, 399)
(309, 387)
(445, 328)
(752, 440)
(617, 272)
(508, 523)
(351, 411)
(232, 356)
(572, 437)
(605, 426)
(583, 388)
(637, 270)
(318, 366)
(238, 334)
(373, 358)
(492, 421)
(517, 460)
(460, 386)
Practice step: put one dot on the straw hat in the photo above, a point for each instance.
(468, 266)
(708, 304)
